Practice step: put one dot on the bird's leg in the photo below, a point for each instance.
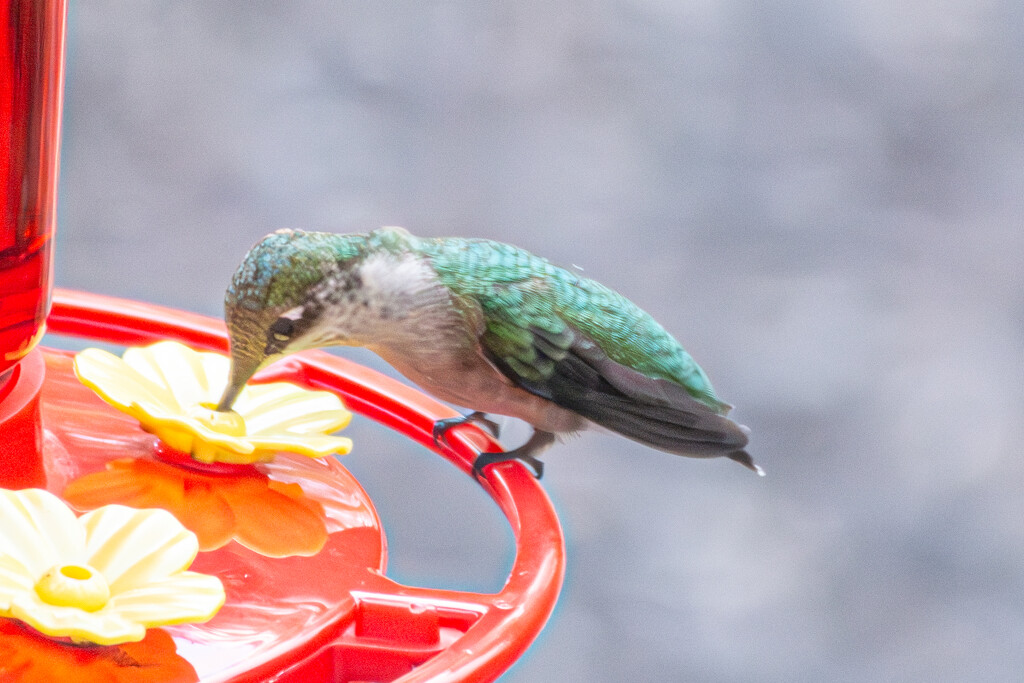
(526, 453)
(441, 427)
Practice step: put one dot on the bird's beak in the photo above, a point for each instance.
(242, 368)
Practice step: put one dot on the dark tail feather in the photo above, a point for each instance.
(743, 458)
(654, 412)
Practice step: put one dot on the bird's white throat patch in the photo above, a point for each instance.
(393, 297)
(395, 279)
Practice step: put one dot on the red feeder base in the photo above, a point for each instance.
(21, 464)
(297, 542)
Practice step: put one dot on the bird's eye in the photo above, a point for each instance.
(282, 329)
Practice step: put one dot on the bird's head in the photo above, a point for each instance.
(274, 304)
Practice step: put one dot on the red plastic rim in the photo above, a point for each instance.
(509, 620)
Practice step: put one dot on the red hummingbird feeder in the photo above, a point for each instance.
(296, 609)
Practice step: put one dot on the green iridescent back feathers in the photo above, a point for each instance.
(533, 310)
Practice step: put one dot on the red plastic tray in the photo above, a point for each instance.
(333, 616)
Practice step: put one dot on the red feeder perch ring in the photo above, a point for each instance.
(379, 630)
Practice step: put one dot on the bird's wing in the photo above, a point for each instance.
(586, 348)
(543, 353)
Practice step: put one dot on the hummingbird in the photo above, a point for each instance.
(483, 325)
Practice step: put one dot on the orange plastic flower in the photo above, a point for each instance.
(28, 657)
(172, 391)
(272, 518)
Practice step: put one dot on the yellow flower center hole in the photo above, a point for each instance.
(229, 423)
(73, 571)
(74, 585)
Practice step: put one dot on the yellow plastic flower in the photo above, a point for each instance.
(102, 578)
(172, 390)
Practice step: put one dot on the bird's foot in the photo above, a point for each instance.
(485, 459)
(537, 443)
(441, 427)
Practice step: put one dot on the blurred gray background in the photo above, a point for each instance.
(821, 200)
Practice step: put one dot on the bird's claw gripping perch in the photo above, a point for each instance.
(485, 459)
(441, 427)
(523, 453)
(538, 442)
